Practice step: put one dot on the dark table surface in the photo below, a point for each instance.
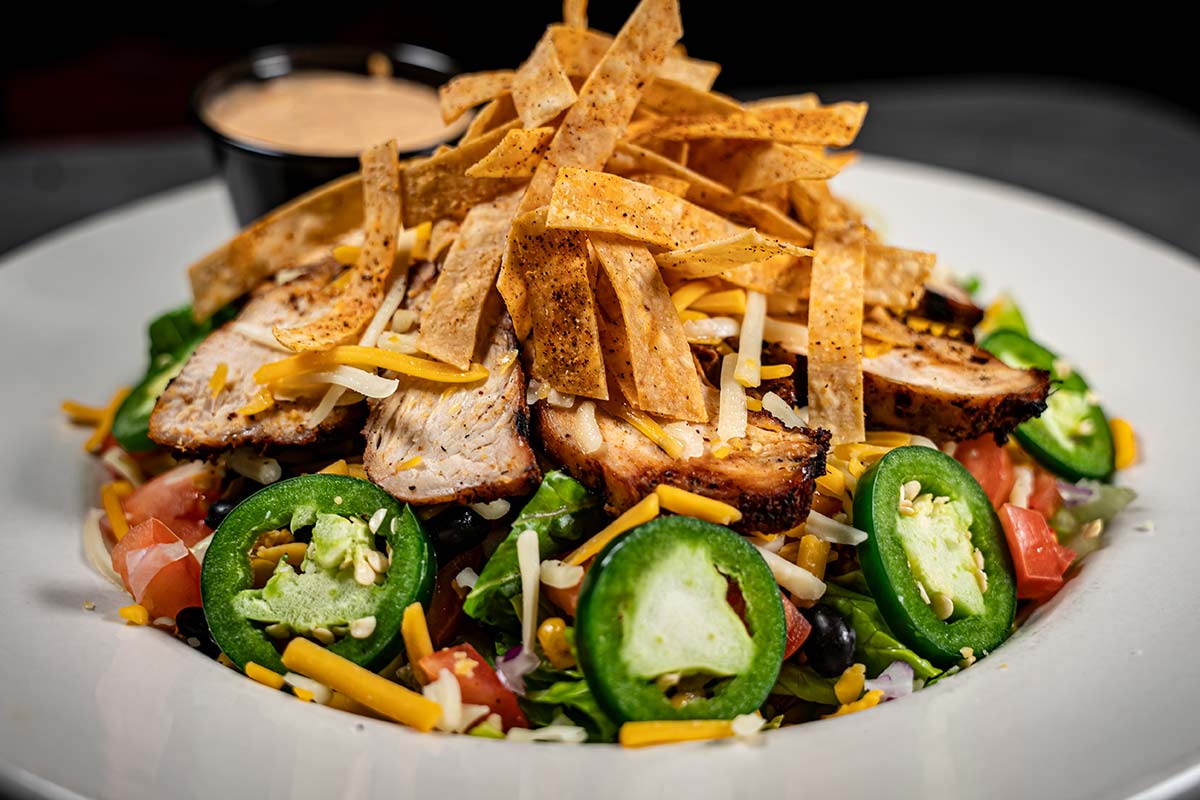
(1126, 156)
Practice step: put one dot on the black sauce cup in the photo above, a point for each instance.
(261, 178)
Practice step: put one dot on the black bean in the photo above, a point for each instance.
(218, 511)
(454, 530)
(193, 625)
(830, 646)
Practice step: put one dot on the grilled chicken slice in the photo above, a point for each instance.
(188, 417)
(949, 390)
(770, 479)
(470, 443)
(944, 389)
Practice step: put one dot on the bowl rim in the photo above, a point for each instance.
(277, 60)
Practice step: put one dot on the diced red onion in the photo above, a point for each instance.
(514, 666)
(895, 682)
(1075, 494)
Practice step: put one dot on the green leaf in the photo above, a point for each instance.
(574, 699)
(802, 681)
(1003, 314)
(563, 513)
(876, 646)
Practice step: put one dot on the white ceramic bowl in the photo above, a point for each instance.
(1096, 697)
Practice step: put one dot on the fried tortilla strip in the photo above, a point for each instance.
(580, 50)
(363, 291)
(717, 256)
(442, 235)
(676, 186)
(770, 276)
(492, 116)
(450, 323)
(705, 192)
(834, 125)
(835, 313)
(751, 166)
(290, 235)
(694, 72)
(676, 98)
(575, 13)
(617, 359)
(438, 186)
(893, 277)
(566, 340)
(586, 200)
(664, 375)
(516, 156)
(592, 126)
(541, 89)
(464, 92)
(805, 101)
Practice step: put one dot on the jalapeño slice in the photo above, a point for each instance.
(345, 517)
(654, 624)
(935, 558)
(1071, 438)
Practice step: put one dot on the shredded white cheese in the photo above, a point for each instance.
(587, 430)
(245, 462)
(556, 574)
(566, 734)
(749, 358)
(259, 334)
(529, 562)
(493, 510)
(1022, 486)
(830, 530)
(321, 693)
(731, 418)
(399, 342)
(365, 383)
(687, 435)
(792, 577)
(711, 329)
(467, 578)
(793, 336)
(778, 408)
(123, 465)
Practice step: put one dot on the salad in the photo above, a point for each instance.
(610, 423)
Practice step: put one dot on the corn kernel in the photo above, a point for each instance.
(849, 686)
(1124, 441)
(135, 615)
(552, 637)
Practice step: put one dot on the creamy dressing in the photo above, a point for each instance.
(325, 113)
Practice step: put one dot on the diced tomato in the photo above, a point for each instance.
(990, 464)
(445, 614)
(1045, 498)
(157, 569)
(1038, 559)
(477, 681)
(798, 627)
(179, 499)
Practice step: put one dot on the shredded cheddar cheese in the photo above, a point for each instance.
(849, 686)
(640, 513)
(216, 384)
(773, 371)
(338, 467)
(261, 402)
(694, 505)
(366, 358)
(363, 686)
(103, 419)
(869, 700)
(415, 632)
(347, 254)
(689, 293)
(265, 676)
(646, 425)
(729, 301)
(111, 495)
(645, 734)
(135, 615)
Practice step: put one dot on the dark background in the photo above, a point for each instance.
(1095, 106)
(115, 68)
